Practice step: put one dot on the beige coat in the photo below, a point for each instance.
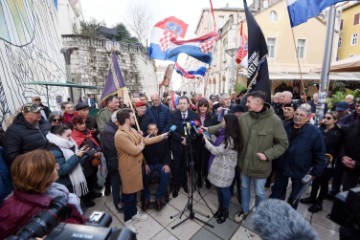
(130, 158)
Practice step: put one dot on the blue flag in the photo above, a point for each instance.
(114, 80)
(301, 10)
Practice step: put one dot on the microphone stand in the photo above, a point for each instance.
(190, 202)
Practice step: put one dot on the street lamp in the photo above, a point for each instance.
(232, 52)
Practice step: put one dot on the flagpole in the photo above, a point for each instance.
(131, 107)
(298, 62)
(324, 81)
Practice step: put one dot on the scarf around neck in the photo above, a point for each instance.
(76, 176)
(217, 142)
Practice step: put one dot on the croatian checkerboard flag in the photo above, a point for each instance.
(200, 72)
(162, 35)
(301, 10)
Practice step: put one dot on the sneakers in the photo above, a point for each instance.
(129, 225)
(240, 216)
(142, 217)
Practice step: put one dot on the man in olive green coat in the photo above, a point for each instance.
(263, 139)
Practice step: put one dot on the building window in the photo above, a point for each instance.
(341, 24)
(339, 43)
(356, 18)
(354, 39)
(300, 49)
(221, 21)
(272, 16)
(271, 47)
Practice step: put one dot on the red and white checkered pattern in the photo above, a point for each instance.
(165, 40)
(207, 45)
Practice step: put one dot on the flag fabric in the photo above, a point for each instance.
(114, 80)
(167, 76)
(302, 10)
(242, 55)
(258, 73)
(199, 48)
(163, 33)
(190, 74)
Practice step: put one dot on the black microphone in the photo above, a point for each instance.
(276, 219)
(185, 130)
(193, 125)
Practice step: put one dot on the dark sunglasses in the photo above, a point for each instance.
(56, 120)
(37, 99)
(328, 118)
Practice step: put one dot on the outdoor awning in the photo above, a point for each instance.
(351, 64)
(314, 76)
(61, 84)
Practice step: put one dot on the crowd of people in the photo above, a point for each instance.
(243, 140)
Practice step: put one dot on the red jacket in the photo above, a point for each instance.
(20, 207)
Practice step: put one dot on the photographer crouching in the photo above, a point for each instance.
(33, 176)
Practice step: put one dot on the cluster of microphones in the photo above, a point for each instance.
(195, 125)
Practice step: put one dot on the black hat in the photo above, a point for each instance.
(237, 108)
(293, 105)
(81, 106)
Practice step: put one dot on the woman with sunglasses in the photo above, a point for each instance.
(56, 118)
(332, 136)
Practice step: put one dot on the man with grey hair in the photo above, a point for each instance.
(110, 153)
(158, 112)
(305, 155)
(225, 106)
(350, 100)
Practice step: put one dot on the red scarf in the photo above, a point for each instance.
(79, 137)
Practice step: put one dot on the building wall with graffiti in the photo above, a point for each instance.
(30, 45)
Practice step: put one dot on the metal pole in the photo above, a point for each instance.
(47, 95)
(324, 81)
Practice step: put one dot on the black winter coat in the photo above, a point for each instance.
(21, 137)
(109, 149)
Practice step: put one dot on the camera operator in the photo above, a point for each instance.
(33, 176)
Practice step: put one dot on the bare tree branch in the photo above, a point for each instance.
(140, 21)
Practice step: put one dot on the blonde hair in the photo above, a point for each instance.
(33, 171)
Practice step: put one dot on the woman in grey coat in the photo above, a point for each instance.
(222, 163)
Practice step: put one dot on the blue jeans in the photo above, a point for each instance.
(245, 191)
(224, 196)
(164, 180)
(130, 208)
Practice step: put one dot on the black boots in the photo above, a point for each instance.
(217, 214)
(316, 207)
(223, 216)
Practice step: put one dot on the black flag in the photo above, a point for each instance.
(258, 72)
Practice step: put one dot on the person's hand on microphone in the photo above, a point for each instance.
(166, 169)
(165, 135)
(183, 142)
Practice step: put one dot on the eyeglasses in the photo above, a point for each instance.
(56, 120)
(328, 118)
(37, 99)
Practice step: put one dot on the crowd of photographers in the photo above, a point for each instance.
(69, 149)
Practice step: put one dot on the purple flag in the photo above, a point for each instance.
(114, 80)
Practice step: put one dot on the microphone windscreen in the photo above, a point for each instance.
(276, 219)
(197, 123)
(172, 128)
(192, 123)
(188, 125)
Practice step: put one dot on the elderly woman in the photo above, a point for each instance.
(56, 118)
(34, 193)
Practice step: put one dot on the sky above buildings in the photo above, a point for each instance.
(115, 11)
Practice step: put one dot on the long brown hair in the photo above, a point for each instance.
(33, 171)
(204, 102)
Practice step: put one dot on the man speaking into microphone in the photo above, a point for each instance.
(178, 143)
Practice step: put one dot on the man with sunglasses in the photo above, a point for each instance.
(27, 132)
(45, 112)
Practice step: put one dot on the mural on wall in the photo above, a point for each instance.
(31, 56)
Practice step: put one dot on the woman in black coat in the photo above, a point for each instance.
(332, 137)
(207, 119)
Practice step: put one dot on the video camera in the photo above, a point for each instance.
(346, 209)
(47, 223)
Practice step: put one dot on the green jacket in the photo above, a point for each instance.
(260, 133)
(103, 117)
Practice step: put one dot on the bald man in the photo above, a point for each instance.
(158, 112)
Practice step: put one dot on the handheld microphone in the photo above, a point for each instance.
(193, 125)
(188, 127)
(172, 129)
(185, 131)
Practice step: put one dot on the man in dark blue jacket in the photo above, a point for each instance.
(158, 112)
(27, 133)
(305, 155)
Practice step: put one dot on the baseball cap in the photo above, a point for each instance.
(342, 106)
(30, 107)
